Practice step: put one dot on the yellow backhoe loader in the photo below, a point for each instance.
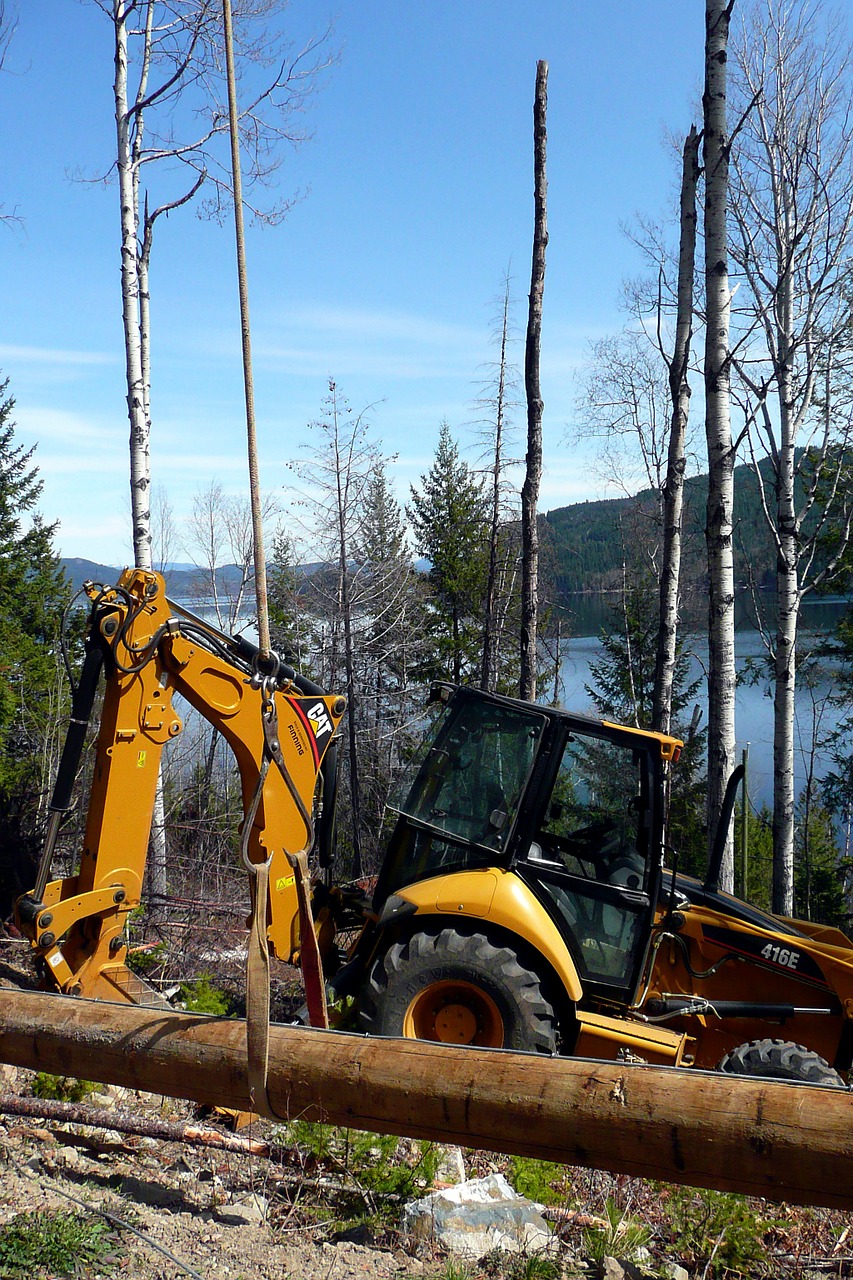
(523, 901)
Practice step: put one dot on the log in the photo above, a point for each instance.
(763, 1138)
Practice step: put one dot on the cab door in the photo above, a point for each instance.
(593, 861)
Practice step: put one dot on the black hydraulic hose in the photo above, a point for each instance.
(673, 1006)
(326, 825)
(75, 737)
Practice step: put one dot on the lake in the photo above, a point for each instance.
(754, 702)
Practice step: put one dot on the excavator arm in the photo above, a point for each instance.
(278, 725)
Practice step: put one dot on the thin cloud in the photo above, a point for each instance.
(53, 356)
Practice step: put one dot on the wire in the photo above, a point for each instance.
(127, 1226)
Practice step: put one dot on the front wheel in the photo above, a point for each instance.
(781, 1060)
(457, 988)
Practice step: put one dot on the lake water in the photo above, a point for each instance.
(754, 702)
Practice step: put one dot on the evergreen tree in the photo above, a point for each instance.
(390, 613)
(33, 593)
(289, 630)
(820, 872)
(449, 516)
(623, 691)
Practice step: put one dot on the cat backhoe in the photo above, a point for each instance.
(523, 900)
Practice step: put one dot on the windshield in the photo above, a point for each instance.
(468, 779)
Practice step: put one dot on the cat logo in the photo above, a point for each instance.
(318, 718)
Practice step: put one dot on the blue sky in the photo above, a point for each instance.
(417, 189)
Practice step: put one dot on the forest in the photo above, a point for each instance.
(462, 578)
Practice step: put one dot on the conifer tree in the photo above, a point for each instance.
(33, 593)
(450, 522)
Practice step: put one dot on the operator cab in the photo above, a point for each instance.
(570, 804)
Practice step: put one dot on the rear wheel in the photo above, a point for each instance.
(781, 1060)
(457, 988)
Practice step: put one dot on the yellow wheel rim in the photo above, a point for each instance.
(454, 1013)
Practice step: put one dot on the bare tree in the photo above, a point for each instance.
(497, 401)
(7, 27)
(721, 456)
(336, 473)
(622, 404)
(8, 23)
(164, 531)
(677, 362)
(219, 540)
(533, 463)
(170, 114)
(792, 205)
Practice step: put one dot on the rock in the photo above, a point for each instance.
(252, 1210)
(615, 1269)
(673, 1270)
(451, 1169)
(475, 1217)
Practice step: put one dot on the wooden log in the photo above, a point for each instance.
(781, 1141)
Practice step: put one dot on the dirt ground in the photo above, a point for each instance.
(191, 1202)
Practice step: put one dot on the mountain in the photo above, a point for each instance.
(590, 541)
(183, 581)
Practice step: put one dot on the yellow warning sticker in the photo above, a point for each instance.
(284, 882)
(140, 759)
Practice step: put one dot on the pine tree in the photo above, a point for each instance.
(450, 522)
(33, 593)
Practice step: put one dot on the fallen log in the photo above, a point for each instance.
(781, 1141)
(141, 1126)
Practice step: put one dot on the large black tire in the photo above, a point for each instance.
(457, 988)
(781, 1060)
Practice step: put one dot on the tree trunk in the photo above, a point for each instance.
(673, 495)
(134, 299)
(788, 609)
(533, 468)
(128, 186)
(488, 669)
(776, 1140)
(718, 528)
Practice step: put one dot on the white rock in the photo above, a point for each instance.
(475, 1217)
(252, 1210)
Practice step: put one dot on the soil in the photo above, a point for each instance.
(187, 1200)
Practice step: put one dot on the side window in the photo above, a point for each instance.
(589, 858)
(592, 823)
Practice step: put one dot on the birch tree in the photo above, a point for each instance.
(169, 96)
(721, 457)
(533, 461)
(170, 119)
(792, 205)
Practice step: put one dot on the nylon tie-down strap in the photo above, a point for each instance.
(258, 956)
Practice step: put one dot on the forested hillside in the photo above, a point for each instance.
(592, 540)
